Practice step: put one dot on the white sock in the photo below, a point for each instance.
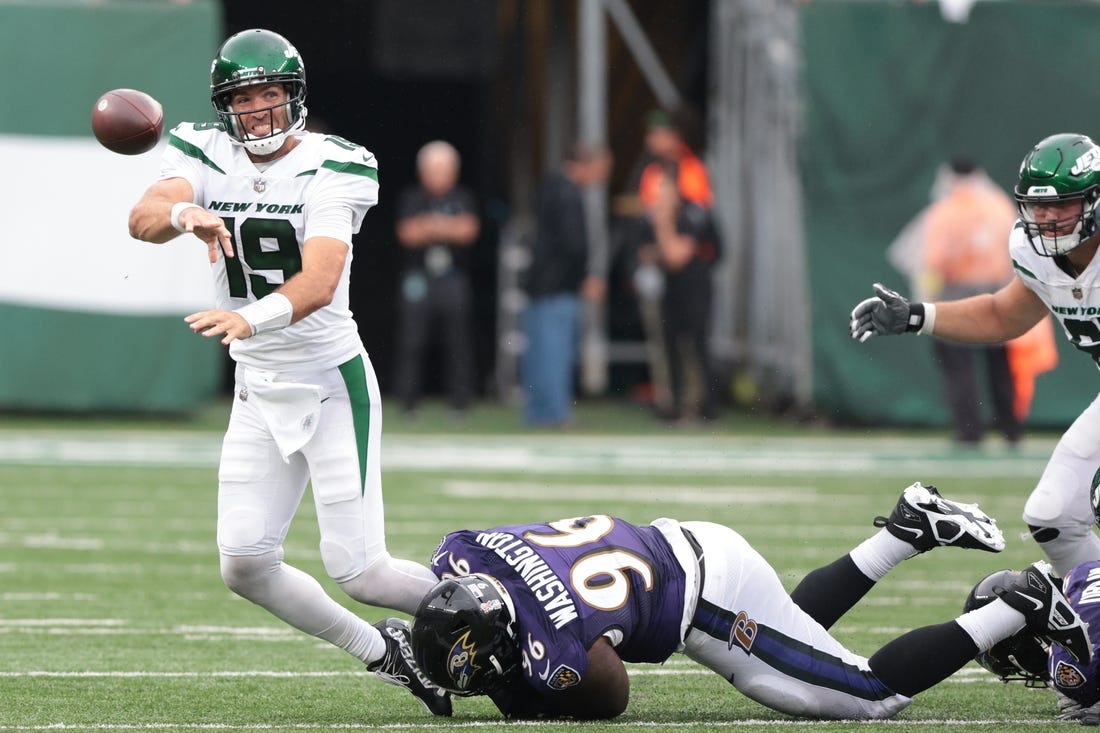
(991, 623)
(879, 554)
(356, 637)
(299, 600)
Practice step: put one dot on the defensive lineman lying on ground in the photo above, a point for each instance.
(540, 617)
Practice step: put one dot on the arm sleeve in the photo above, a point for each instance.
(175, 163)
(338, 201)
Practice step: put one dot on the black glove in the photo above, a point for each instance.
(885, 314)
(1070, 709)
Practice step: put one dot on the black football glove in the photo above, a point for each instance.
(1070, 709)
(888, 313)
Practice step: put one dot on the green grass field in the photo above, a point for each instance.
(113, 616)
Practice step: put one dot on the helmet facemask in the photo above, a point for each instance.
(235, 126)
(1019, 658)
(1056, 238)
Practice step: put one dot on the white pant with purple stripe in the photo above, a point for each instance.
(747, 629)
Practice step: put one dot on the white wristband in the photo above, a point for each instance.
(177, 209)
(929, 319)
(269, 313)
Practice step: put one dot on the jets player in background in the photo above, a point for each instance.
(1053, 246)
(277, 208)
(541, 617)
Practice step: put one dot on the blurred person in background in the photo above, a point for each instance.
(964, 255)
(679, 238)
(437, 224)
(1027, 356)
(307, 407)
(666, 154)
(556, 281)
(670, 154)
(1053, 248)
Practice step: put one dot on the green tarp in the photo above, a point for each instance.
(891, 91)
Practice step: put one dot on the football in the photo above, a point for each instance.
(127, 121)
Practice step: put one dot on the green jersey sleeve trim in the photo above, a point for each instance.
(1024, 270)
(193, 151)
(356, 169)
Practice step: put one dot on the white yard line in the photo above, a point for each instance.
(499, 724)
(606, 455)
(966, 675)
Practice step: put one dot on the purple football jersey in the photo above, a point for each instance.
(1073, 679)
(573, 580)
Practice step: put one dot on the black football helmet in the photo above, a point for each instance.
(1095, 494)
(1022, 656)
(463, 636)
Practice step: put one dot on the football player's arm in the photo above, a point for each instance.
(602, 693)
(151, 217)
(991, 318)
(982, 319)
(313, 288)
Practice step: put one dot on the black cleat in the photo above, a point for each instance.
(1049, 615)
(926, 520)
(398, 667)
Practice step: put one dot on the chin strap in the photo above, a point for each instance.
(265, 145)
(270, 144)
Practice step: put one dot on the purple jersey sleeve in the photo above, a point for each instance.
(572, 581)
(1080, 682)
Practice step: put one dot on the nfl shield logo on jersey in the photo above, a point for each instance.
(1078, 293)
(259, 185)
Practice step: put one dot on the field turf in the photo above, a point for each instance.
(113, 616)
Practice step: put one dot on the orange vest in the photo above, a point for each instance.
(693, 182)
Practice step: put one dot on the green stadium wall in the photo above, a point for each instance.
(891, 91)
(91, 319)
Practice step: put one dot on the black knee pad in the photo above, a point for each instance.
(1044, 534)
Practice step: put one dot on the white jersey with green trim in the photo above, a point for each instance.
(1075, 302)
(268, 213)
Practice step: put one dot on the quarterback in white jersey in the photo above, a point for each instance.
(277, 208)
(321, 188)
(1053, 248)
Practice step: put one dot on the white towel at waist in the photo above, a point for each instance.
(290, 409)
